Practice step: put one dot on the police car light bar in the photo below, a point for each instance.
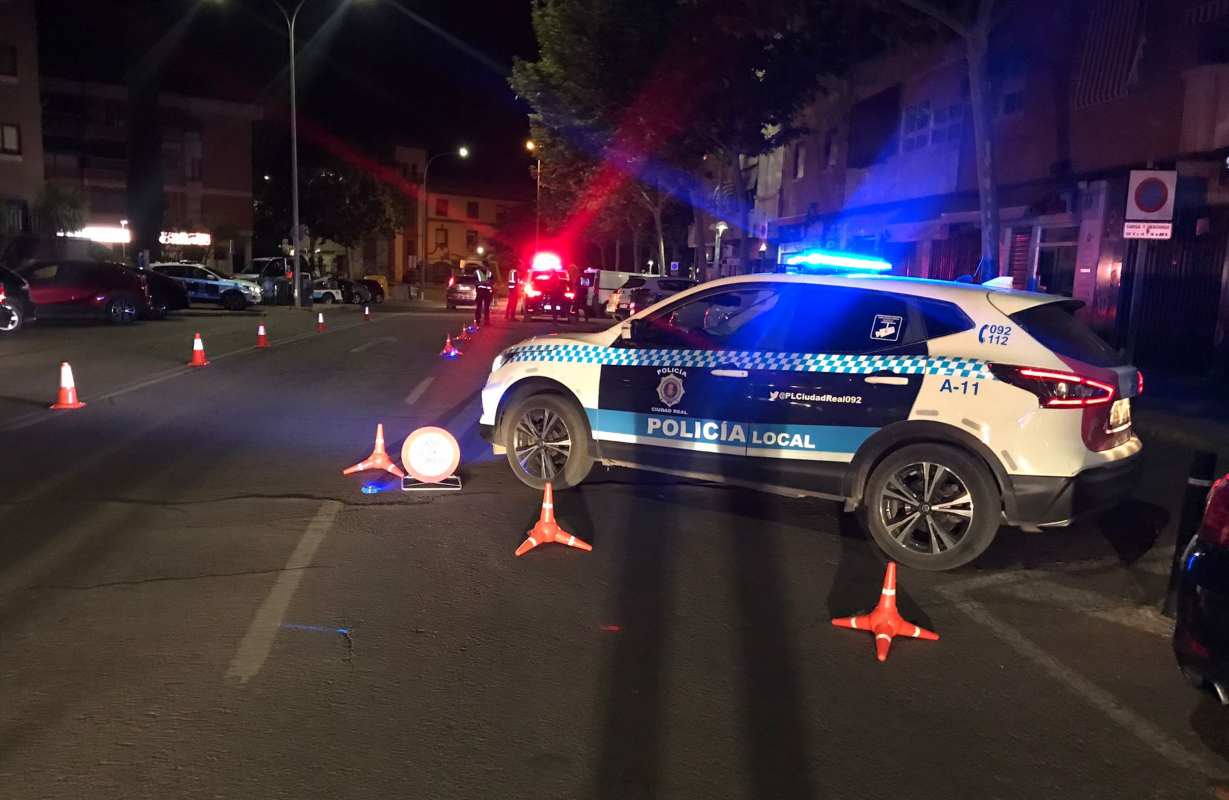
(547, 260)
(838, 261)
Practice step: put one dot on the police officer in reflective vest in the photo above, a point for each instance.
(514, 295)
(482, 308)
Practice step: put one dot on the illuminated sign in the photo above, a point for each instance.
(546, 260)
(109, 234)
(185, 239)
(836, 260)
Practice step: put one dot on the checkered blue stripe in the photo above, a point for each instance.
(793, 362)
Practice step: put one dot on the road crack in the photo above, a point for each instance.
(172, 578)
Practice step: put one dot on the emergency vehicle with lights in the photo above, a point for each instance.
(939, 411)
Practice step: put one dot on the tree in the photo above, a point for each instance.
(973, 22)
(639, 92)
(59, 209)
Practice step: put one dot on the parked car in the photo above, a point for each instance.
(374, 288)
(733, 380)
(652, 287)
(354, 291)
(327, 290)
(166, 294)
(84, 289)
(206, 286)
(462, 291)
(1201, 636)
(548, 293)
(16, 308)
(271, 275)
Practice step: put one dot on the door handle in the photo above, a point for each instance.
(890, 380)
(730, 373)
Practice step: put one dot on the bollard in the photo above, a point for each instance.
(1202, 473)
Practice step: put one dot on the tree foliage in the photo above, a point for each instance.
(59, 209)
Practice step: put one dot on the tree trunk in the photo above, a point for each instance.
(742, 225)
(636, 250)
(618, 254)
(977, 45)
(700, 223)
(661, 239)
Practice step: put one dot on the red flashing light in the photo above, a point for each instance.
(570, 295)
(1139, 382)
(546, 260)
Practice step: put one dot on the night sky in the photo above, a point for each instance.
(370, 74)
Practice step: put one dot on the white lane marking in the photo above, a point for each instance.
(258, 641)
(372, 343)
(1120, 611)
(419, 390)
(1146, 564)
(1102, 700)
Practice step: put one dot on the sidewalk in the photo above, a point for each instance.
(1191, 411)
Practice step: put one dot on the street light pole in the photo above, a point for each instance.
(537, 203)
(291, 18)
(462, 152)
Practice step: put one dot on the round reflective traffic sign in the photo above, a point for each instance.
(1151, 195)
(430, 454)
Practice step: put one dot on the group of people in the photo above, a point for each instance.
(515, 279)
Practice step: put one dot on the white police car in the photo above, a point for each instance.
(940, 410)
(206, 286)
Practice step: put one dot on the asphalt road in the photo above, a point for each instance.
(195, 603)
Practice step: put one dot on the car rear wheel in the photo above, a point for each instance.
(121, 310)
(328, 298)
(548, 441)
(10, 318)
(932, 506)
(234, 301)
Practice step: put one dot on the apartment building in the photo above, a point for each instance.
(21, 140)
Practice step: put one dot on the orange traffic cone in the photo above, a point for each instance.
(463, 337)
(547, 530)
(885, 621)
(367, 313)
(67, 399)
(320, 322)
(377, 460)
(449, 351)
(262, 338)
(198, 353)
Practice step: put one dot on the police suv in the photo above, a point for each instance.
(938, 410)
(207, 286)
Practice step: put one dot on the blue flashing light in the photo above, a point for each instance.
(376, 488)
(838, 261)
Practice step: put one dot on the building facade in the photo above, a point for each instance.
(1082, 94)
(21, 140)
(206, 155)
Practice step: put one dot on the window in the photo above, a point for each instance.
(441, 207)
(1056, 327)
(874, 125)
(471, 209)
(924, 126)
(832, 319)
(471, 240)
(8, 61)
(43, 275)
(800, 161)
(194, 169)
(10, 140)
(441, 238)
(737, 319)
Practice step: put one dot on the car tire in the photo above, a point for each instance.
(554, 418)
(158, 312)
(11, 318)
(121, 310)
(379, 298)
(234, 301)
(328, 298)
(900, 511)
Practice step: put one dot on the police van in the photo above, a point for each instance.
(937, 410)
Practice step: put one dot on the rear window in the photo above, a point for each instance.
(467, 279)
(1055, 326)
(633, 283)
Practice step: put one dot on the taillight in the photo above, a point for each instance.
(532, 292)
(452, 279)
(1215, 528)
(1055, 389)
(1139, 382)
(570, 295)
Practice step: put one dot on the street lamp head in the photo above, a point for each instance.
(268, 177)
(481, 250)
(530, 146)
(463, 151)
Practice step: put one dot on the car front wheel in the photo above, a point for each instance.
(234, 301)
(548, 441)
(932, 506)
(121, 310)
(10, 318)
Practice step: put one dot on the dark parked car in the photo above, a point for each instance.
(1201, 637)
(354, 291)
(548, 293)
(375, 288)
(166, 294)
(462, 291)
(97, 289)
(15, 305)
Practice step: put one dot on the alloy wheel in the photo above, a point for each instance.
(542, 443)
(926, 508)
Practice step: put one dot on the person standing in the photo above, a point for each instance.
(482, 308)
(514, 295)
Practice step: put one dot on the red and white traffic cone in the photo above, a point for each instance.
(449, 350)
(320, 322)
(67, 399)
(377, 460)
(198, 353)
(546, 530)
(262, 338)
(885, 621)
